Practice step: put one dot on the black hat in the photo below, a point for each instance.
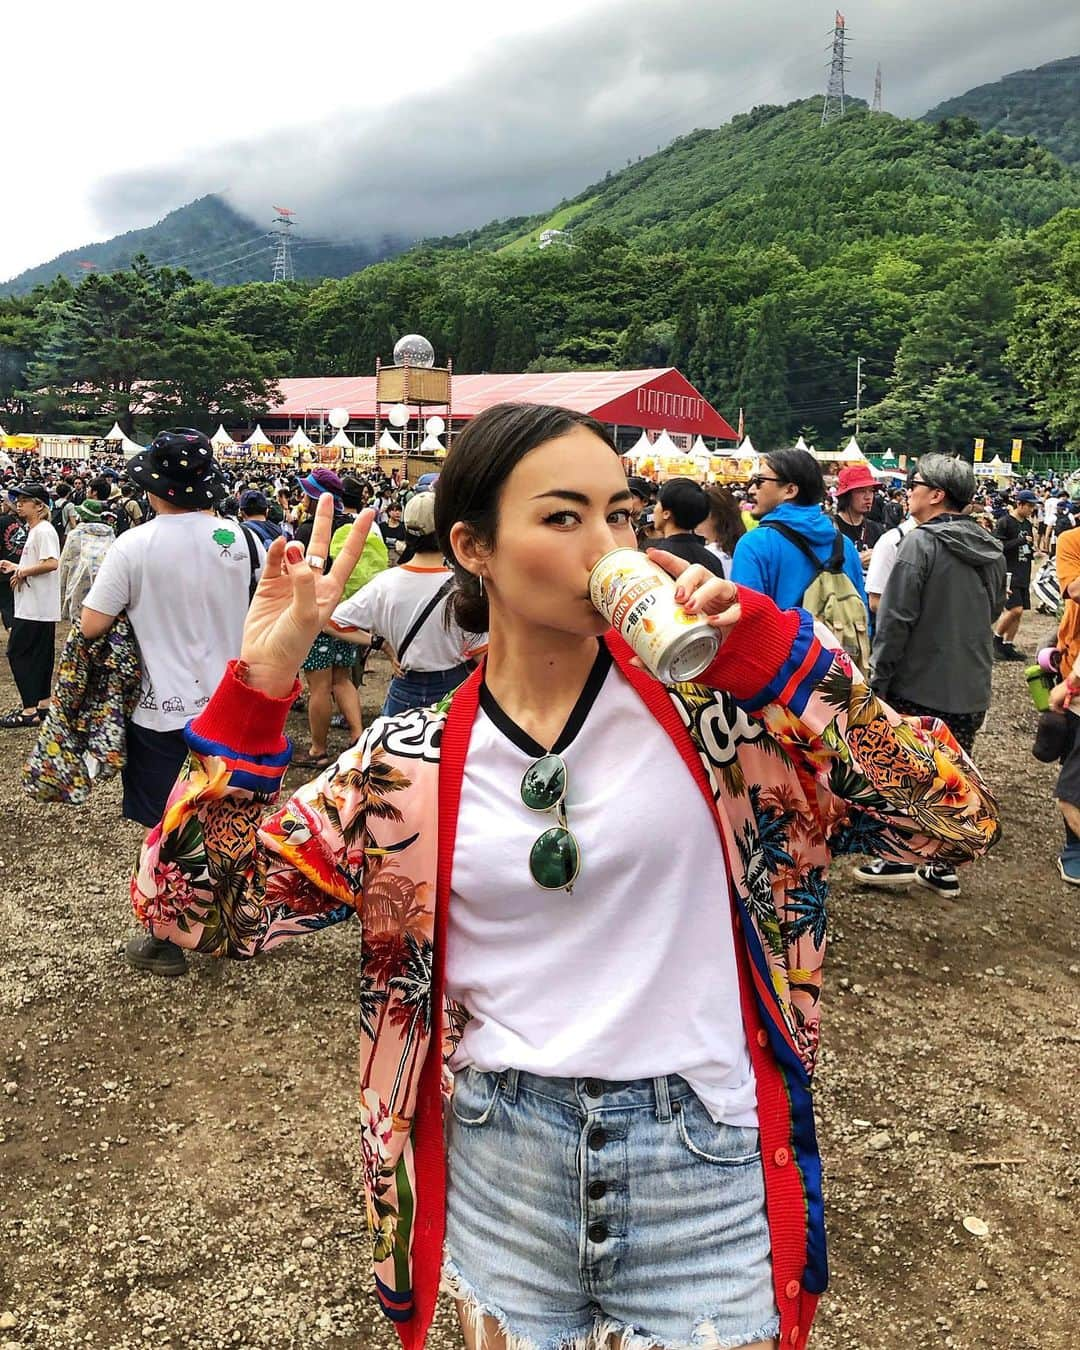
(35, 490)
(641, 488)
(178, 466)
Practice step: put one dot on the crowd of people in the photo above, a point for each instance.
(859, 629)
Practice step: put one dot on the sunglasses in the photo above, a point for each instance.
(555, 859)
(921, 482)
(760, 478)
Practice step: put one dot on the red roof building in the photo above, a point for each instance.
(651, 400)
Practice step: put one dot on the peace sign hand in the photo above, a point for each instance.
(294, 600)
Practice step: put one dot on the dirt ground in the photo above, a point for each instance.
(178, 1159)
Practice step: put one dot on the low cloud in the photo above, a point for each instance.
(546, 115)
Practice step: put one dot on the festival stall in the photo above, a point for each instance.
(259, 446)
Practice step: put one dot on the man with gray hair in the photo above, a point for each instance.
(933, 644)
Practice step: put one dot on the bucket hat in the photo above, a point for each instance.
(854, 476)
(179, 466)
(319, 481)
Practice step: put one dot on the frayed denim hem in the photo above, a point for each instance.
(595, 1338)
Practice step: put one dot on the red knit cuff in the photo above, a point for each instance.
(243, 718)
(755, 650)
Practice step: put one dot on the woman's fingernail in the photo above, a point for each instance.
(680, 595)
(294, 553)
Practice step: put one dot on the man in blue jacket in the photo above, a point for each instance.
(789, 489)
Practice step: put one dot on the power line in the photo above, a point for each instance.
(231, 262)
(181, 258)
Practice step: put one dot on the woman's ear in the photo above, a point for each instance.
(467, 549)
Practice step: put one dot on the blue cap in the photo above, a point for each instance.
(1027, 496)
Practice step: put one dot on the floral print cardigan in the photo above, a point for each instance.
(796, 757)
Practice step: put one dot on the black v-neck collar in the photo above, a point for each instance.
(574, 722)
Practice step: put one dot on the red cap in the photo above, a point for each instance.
(854, 476)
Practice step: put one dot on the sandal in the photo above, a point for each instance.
(311, 761)
(15, 719)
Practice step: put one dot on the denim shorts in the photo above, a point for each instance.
(579, 1209)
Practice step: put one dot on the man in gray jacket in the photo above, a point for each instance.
(933, 645)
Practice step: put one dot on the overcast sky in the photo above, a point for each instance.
(428, 118)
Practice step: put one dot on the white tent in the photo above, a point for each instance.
(221, 439)
(387, 442)
(341, 441)
(700, 448)
(746, 450)
(888, 457)
(1000, 468)
(851, 454)
(641, 448)
(116, 434)
(301, 440)
(129, 448)
(258, 440)
(664, 445)
(800, 444)
(431, 444)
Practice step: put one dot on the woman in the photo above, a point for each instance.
(35, 579)
(630, 1143)
(407, 607)
(330, 661)
(723, 527)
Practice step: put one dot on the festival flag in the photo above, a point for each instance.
(979, 447)
(1017, 448)
(742, 427)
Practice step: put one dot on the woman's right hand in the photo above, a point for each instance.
(294, 600)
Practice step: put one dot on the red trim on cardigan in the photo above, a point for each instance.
(430, 1151)
(245, 719)
(785, 1201)
(754, 651)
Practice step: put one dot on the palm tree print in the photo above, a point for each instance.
(413, 989)
(383, 957)
(806, 903)
(371, 999)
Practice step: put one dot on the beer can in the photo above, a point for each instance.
(637, 598)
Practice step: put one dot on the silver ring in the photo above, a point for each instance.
(314, 560)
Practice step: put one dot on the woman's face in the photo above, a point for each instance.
(562, 508)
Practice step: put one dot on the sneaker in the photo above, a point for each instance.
(1006, 651)
(1069, 870)
(884, 874)
(338, 721)
(941, 879)
(156, 955)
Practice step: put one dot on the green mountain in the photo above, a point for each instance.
(775, 175)
(211, 241)
(1043, 103)
(775, 261)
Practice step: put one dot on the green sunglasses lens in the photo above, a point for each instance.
(544, 784)
(554, 859)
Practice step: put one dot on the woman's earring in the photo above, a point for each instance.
(481, 581)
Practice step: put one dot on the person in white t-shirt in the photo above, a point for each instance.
(406, 607)
(36, 582)
(183, 580)
(883, 558)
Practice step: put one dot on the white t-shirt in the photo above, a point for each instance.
(38, 597)
(391, 602)
(183, 581)
(1049, 510)
(883, 557)
(634, 974)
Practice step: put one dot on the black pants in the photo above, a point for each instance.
(7, 603)
(964, 726)
(30, 651)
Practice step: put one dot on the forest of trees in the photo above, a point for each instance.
(762, 260)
